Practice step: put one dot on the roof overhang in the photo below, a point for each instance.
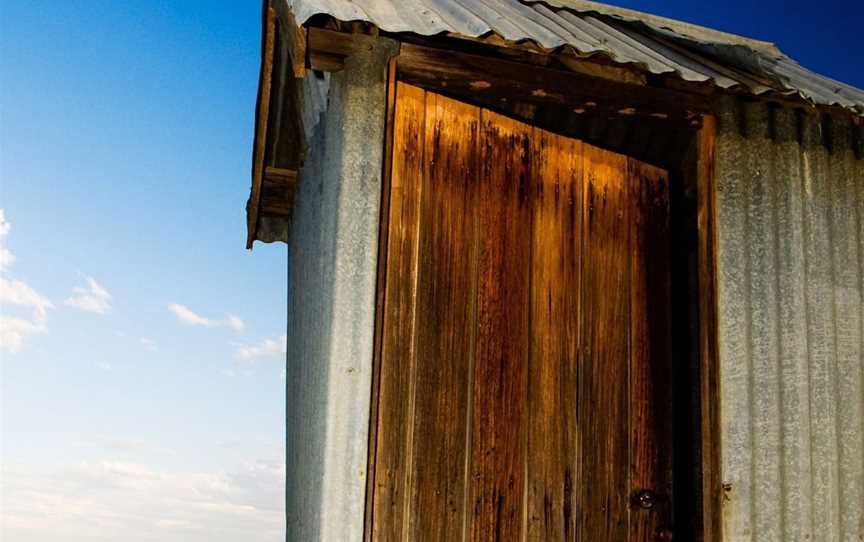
(279, 143)
(650, 75)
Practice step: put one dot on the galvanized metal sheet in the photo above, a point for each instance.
(791, 297)
(332, 251)
(653, 43)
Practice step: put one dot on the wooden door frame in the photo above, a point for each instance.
(380, 296)
(709, 355)
(709, 430)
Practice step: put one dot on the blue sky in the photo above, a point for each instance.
(141, 385)
(125, 140)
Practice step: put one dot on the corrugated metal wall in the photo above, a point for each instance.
(332, 269)
(790, 204)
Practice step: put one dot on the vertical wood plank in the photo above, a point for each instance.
(499, 438)
(709, 359)
(395, 402)
(446, 293)
(651, 460)
(525, 342)
(604, 386)
(552, 376)
(383, 244)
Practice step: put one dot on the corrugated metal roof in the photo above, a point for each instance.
(655, 44)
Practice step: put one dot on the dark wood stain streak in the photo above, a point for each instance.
(524, 370)
(398, 353)
(445, 295)
(650, 373)
(709, 360)
(605, 365)
(552, 384)
(500, 373)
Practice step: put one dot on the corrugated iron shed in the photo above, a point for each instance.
(655, 44)
(790, 258)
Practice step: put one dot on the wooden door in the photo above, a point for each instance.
(524, 381)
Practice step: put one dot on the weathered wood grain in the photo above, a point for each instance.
(262, 118)
(447, 276)
(604, 393)
(499, 435)
(651, 458)
(709, 356)
(524, 386)
(381, 289)
(552, 375)
(398, 356)
(456, 72)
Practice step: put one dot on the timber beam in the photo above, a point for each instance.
(467, 74)
(473, 75)
(277, 192)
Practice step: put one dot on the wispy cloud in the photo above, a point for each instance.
(90, 298)
(6, 257)
(14, 330)
(125, 446)
(235, 323)
(189, 317)
(149, 344)
(17, 293)
(268, 348)
(104, 365)
(119, 500)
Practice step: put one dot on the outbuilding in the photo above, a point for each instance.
(561, 271)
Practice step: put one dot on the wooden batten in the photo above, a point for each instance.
(474, 75)
(279, 141)
(709, 357)
(327, 49)
(477, 75)
(262, 119)
(295, 36)
(383, 240)
(277, 192)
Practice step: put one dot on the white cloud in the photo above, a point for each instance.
(4, 224)
(6, 257)
(189, 317)
(124, 446)
(104, 365)
(235, 323)
(149, 344)
(111, 500)
(268, 348)
(185, 315)
(16, 292)
(14, 329)
(92, 298)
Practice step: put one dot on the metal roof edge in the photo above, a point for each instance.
(681, 28)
